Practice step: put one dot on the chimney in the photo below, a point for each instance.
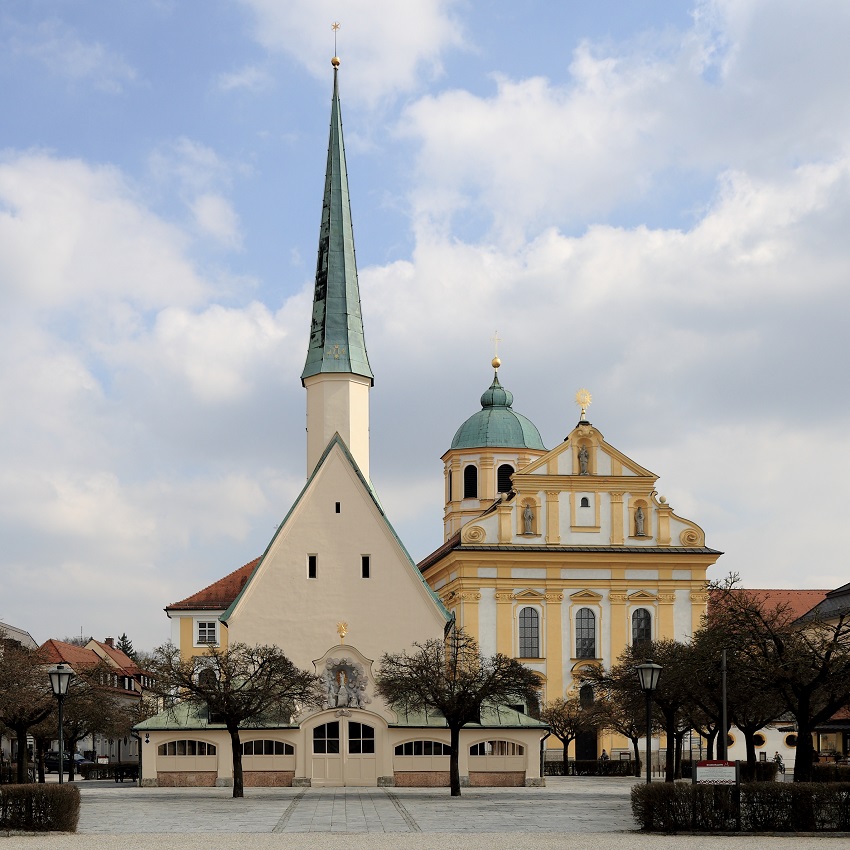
(110, 642)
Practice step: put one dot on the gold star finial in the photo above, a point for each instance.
(583, 399)
(342, 631)
(496, 340)
(335, 60)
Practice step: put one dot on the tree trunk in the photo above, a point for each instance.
(566, 745)
(454, 760)
(805, 752)
(670, 759)
(636, 748)
(751, 750)
(21, 737)
(70, 745)
(710, 742)
(236, 752)
(39, 759)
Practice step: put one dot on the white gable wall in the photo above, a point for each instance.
(280, 605)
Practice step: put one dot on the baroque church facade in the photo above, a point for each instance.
(564, 557)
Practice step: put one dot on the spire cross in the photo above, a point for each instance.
(496, 340)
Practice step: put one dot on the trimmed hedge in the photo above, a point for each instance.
(39, 808)
(771, 807)
(114, 771)
(830, 773)
(590, 767)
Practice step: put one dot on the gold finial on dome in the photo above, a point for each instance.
(335, 60)
(583, 399)
(495, 361)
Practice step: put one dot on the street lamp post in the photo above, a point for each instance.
(648, 674)
(60, 678)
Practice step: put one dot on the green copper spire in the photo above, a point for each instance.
(337, 343)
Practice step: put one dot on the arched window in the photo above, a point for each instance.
(641, 626)
(585, 633)
(470, 482)
(585, 502)
(449, 496)
(503, 478)
(267, 747)
(529, 633)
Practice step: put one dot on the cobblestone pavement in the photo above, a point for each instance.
(569, 814)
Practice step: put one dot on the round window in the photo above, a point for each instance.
(759, 739)
(791, 740)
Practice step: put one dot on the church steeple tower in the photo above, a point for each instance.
(337, 373)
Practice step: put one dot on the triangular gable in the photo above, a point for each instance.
(542, 465)
(586, 596)
(529, 595)
(642, 596)
(336, 441)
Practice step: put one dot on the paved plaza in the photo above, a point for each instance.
(571, 812)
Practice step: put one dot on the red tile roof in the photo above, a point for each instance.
(797, 602)
(118, 656)
(220, 594)
(59, 652)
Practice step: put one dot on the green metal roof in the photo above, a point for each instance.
(337, 343)
(184, 715)
(497, 424)
(492, 716)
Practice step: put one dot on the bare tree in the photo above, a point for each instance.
(453, 678)
(25, 697)
(237, 684)
(803, 662)
(567, 719)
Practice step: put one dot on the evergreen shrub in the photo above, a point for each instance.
(39, 808)
(773, 807)
(830, 773)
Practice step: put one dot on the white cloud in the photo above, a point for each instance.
(249, 78)
(63, 52)
(386, 47)
(215, 216)
(71, 233)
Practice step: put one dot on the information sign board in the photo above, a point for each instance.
(716, 772)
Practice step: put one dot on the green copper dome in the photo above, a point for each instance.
(497, 425)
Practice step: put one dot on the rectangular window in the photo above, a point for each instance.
(207, 632)
(364, 566)
(312, 566)
(337, 507)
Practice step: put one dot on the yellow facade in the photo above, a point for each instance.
(580, 558)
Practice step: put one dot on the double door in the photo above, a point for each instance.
(344, 754)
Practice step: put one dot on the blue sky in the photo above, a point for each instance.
(648, 199)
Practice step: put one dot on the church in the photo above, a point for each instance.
(557, 557)
(334, 589)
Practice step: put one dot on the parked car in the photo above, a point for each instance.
(51, 762)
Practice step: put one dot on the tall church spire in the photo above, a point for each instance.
(337, 373)
(337, 343)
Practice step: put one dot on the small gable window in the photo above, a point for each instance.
(585, 633)
(312, 566)
(503, 478)
(585, 502)
(641, 627)
(365, 566)
(470, 482)
(529, 633)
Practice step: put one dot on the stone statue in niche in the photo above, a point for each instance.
(639, 522)
(345, 683)
(583, 458)
(528, 520)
